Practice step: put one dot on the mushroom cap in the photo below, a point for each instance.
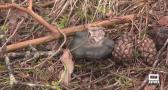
(83, 48)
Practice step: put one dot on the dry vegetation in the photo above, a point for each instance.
(36, 65)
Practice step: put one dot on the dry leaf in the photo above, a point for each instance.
(66, 59)
(163, 21)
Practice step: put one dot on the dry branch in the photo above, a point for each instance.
(70, 31)
(32, 13)
(54, 29)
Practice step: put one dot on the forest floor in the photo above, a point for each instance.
(33, 67)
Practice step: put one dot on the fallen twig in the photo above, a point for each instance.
(70, 31)
(54, 29)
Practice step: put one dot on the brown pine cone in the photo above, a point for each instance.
(127, 44)
(124, 46)
(146, 47)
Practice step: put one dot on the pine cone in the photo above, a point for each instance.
(124, 46)
(127, 44)
(146, 47)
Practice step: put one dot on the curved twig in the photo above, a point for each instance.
(68, 31)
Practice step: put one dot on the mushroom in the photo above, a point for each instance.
(91, 44)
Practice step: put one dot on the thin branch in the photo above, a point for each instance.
(69, 31)
(54, 29)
